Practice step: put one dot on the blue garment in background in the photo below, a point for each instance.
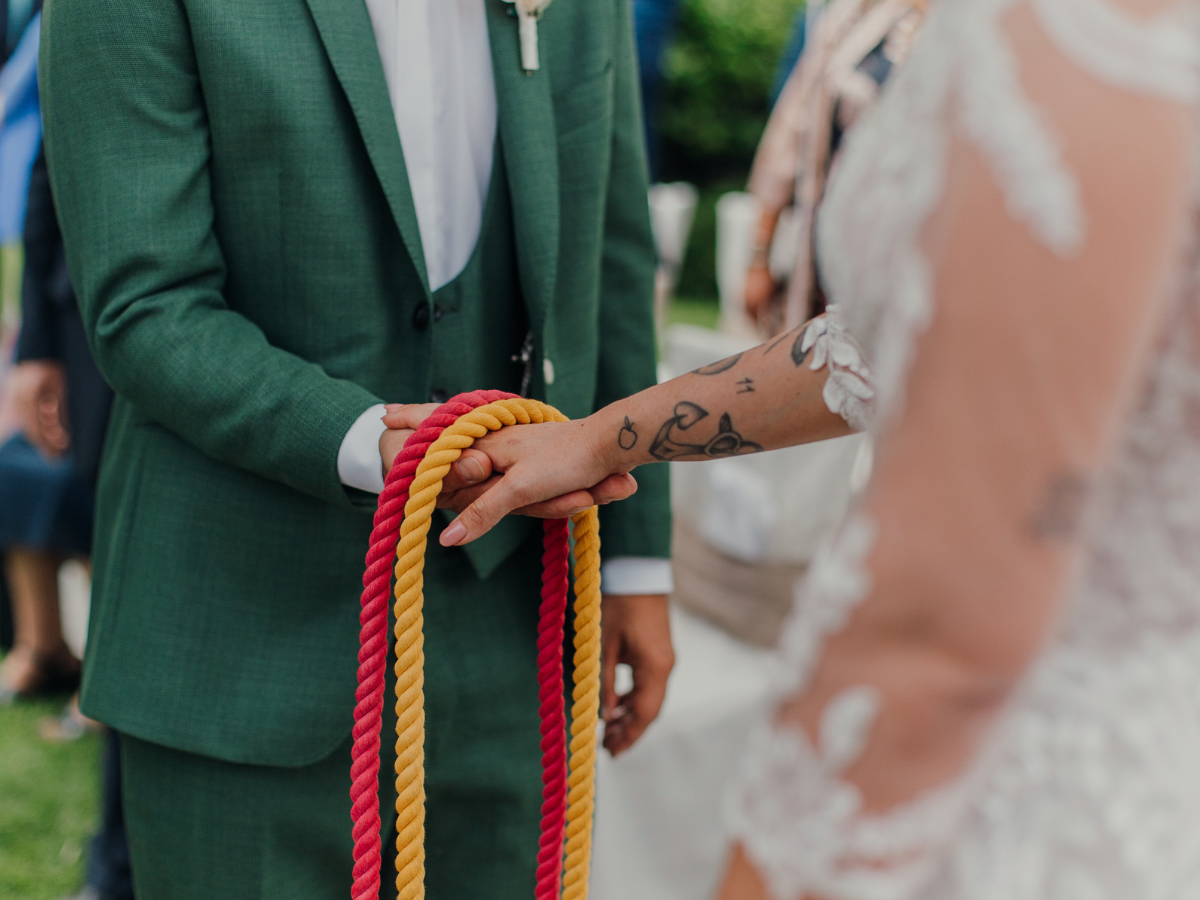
(20, 131)
(18, 14)
(44, 504)
(654, 23)
(791, 54)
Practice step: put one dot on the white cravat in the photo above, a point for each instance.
(438, 66)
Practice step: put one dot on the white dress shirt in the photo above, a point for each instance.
(437, 63)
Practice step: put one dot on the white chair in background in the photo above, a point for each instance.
(737, 218)
(672, 212)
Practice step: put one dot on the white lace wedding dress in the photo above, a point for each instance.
(1087, 786)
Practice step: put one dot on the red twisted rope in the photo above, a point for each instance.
(372, 658)
(553, 709)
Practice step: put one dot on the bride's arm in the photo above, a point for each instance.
(948, 579)
(809, 384)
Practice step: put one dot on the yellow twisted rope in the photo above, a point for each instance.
(585, 713)
(410, 655)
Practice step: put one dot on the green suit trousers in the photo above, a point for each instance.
(205, 829)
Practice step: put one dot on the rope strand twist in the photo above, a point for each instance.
(569, 786)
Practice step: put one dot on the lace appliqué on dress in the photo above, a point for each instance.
(836, 850)
(848, 390)
(1160, 56)
(798, 819)
(837, 582)
(1020, 145)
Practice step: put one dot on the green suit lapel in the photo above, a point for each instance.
(349, 40)
(526, 123)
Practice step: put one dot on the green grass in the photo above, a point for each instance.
(703, 311)
(48, 802)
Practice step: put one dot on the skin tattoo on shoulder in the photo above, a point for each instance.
(717, 368)
(1060, 513)
(746, 386)
(672, 442)
(628, 437)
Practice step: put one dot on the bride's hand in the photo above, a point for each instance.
(550, 470)
(477, 473)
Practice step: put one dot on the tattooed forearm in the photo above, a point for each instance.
(746, 386)
(627, 438)
(1060, 511)
(717, 368)
(671, 442)
(775, 343)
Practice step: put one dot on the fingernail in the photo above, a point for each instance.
(454, 533)
(470, 470)
(578, 510)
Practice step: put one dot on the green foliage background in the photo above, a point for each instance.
(720, 69)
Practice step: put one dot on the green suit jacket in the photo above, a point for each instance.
(243, 240)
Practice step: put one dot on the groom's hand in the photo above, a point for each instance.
(473, 469)
(635, 630)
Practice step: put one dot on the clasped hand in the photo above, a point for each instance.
(481, 468)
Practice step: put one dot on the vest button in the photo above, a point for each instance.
(437, 395)
(421, 317)
(437, 313)
(548, 371)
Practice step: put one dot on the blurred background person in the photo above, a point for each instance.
(44, 512)
(854, 47)
(56, 383)
(58, 404)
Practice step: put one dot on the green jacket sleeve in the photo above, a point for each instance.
(640, 526)
(129, 148)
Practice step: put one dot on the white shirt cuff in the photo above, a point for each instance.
(636, 575)
(359, 464)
